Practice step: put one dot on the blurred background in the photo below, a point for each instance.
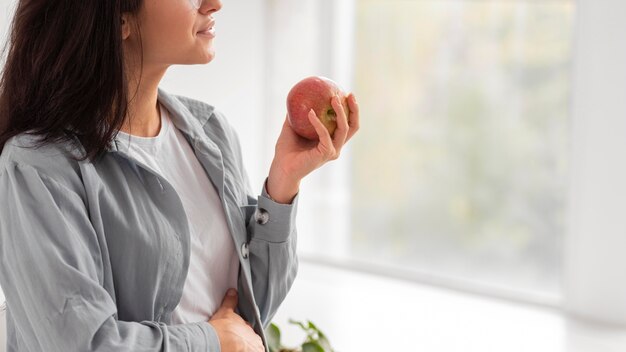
(481, 205)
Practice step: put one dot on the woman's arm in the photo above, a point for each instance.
(272, 229)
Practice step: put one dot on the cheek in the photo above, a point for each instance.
(168, 31)
(170, 45)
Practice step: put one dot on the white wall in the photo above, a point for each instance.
(595, 248)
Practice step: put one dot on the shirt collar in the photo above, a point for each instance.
(180, 115)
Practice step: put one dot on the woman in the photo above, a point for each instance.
(126, 210)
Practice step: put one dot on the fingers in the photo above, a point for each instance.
(325, 144)
(339, 138)
(257, 346)
(230, 300)
(353, 121)
(258, 342)
(233, 336)
(232, 331)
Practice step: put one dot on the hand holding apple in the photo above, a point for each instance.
(295, 156)
(314, 93)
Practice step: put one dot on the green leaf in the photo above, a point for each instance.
(323, 341)
(312, 326)
(316, 340)
(312, 347)
(291, 321)
(273, 337)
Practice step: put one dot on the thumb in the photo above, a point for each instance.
(230, 300)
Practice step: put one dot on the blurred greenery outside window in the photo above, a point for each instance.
(461, 164)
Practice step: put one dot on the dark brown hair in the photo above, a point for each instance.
(64, 76)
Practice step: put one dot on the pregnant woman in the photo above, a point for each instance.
(126, 214)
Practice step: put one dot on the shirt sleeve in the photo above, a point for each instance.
(51, 274)
(273, 257)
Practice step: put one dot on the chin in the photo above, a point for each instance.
(208, 58)
(207, 53)
(199, 58)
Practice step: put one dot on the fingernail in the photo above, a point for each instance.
(232, 292)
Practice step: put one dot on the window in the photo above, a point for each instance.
(460, 168)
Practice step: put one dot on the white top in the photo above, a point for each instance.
(214, 263)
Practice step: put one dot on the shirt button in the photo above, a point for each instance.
(244, 250)
(261, 216)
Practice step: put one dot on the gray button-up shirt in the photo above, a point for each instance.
(94, 255)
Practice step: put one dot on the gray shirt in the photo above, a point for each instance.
(94, 255)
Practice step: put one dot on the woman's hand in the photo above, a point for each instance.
(295, 157)
(234, 333)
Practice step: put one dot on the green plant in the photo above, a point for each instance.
(315, 340)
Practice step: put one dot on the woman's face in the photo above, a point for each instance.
(171, 32)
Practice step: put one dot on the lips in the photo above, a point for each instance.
(207, 29)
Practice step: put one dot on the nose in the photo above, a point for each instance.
(211, 5)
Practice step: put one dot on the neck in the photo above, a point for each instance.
(143, 118)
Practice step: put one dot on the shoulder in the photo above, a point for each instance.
(52, 160)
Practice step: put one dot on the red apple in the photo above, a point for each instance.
(314, 93)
